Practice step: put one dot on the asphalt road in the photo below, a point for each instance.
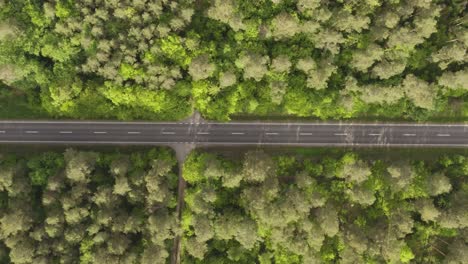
(234, 133)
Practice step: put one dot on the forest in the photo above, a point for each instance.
(324, 207)
(245, 206)
(87, 207)
(161, 60)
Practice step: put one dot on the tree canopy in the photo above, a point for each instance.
(327, 206)
(88, 207)
(134, 59)
(324, 208)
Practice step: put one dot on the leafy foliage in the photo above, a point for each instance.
(88, 207)
(324, 209)
(135, 59)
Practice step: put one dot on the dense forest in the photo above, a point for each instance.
(137, 59)
(325, 208)
(87, 207)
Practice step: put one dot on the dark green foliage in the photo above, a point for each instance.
(44, 166)
(133, 59)
(312, 208)
(88, 207)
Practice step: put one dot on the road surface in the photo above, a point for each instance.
(233, 133)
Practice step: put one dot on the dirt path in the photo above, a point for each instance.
(181, 152)
(175, 256)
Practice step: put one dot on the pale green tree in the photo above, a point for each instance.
(438, 184)
(421, 93)
(257, 166)
(201, 68)
(361, 194)
(427, 210)
(284, 26)
(317, 73)
(327, 218)
(226, 12)
(364, 59)
(253, 65)
(454, 80)
(79, 165)
(354, 169)
(281, 64)
(227, 79)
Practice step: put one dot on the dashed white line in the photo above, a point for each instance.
(305, 134)
(32, 132)
(237, 133)
(443, 135)
(409, 135)
(168, 133)
(271, 133)
(133, 132)
(375, 135)
(203, 133)
(2, 132)
(341, 134)
(65, 132)
(100, 132)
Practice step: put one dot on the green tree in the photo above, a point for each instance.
(257, 166)
(254, 65)
(200, 68)
(43, 166)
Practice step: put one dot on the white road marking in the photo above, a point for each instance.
(168, 133)
(237, 133)
(2, 132)
(443, 135)
(409, 135)
(271, 133)
(65, 132)
(32, 132)
(133, 132)
(203, 133)
(341, 134)
(100, 132)
(375, 135)
(305, 134)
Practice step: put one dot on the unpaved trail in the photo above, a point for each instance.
(181, 153)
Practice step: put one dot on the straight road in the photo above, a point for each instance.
(234, 133)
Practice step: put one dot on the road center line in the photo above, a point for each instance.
(305, 134)
(133, 132)
(65, 132)
(271, 133)
(203, 133)
(32, 132)
(237, 133)
(100, 132)
(341, 134)
(409, 135)
(443, 135)
(375, 135)
(168, 133)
